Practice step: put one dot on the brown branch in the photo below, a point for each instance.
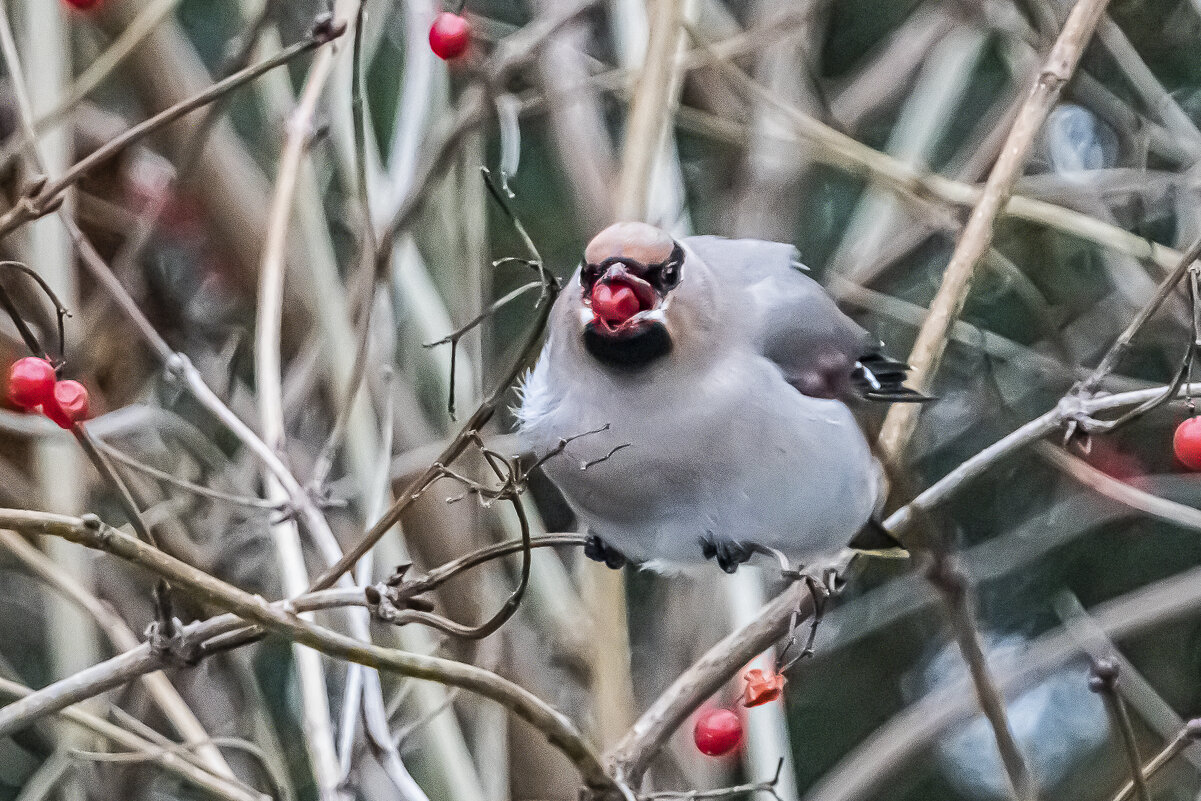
(45, 200)
(281, 618)
(632, 754)
(952, 587)
(172, 762)
(1188, 735)
(978, 234)
(1104, 681)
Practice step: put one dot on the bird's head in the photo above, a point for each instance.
(626, 281)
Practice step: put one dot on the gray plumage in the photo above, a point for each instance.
(738, 434)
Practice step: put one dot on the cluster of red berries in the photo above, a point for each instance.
(449, 35)
(33, 385)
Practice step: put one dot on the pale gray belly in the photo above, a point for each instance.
(773, 467)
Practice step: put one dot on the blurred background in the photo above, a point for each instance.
(763, 105)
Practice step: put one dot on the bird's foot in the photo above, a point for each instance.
(821, 587)
(728, 553)
(598, 550)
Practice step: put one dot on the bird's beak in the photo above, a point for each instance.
(620, 301)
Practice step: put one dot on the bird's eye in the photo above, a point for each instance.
(589, 275)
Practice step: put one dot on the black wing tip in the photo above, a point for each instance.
(880, 378)
(873, 537)
(900, 394)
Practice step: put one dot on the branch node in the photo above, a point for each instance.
(325, 28)
(1192, 729)
(173, 648)
(1103, 678)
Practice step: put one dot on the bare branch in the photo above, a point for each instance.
(978, 234)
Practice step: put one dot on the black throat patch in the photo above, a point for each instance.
(630, 350)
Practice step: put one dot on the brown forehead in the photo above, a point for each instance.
(644, 243)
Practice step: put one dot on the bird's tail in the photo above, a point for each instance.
(875, 540)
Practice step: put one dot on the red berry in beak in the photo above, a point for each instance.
(30, 382)
(614, 303)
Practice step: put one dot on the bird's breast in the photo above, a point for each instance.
(736, 452)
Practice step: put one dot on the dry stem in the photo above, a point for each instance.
(978, 234)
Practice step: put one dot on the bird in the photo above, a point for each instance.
(690, 402)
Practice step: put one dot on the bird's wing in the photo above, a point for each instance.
(821, 351)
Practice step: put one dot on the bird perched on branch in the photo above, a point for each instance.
(711, 374)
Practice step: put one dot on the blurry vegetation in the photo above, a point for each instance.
(1056, 298)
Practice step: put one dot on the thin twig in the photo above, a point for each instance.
(1118, 349)
(1188, 735)
(1167, 510)
(474, 424)
(1104, 681)
(124, 496)
(186, 486)
(952, 586)
(280, 619)
(122, 638)
(978, 234)
(215, 785)
(44, 201)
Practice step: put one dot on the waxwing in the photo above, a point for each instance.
(712, 374)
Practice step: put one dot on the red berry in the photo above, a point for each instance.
(30, 382)
(83, 5)
(69, 404)
(1186, 442)
(614, 303)
(717, 732)
(449, 35)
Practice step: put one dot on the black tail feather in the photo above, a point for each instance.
(880, 378)
(874, 537)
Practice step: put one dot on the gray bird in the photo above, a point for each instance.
(712, 374)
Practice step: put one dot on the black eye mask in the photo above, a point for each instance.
(663, 276)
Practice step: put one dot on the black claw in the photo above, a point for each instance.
(598, 550)
(729, 553)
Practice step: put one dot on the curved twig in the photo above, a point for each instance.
(281, 618)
